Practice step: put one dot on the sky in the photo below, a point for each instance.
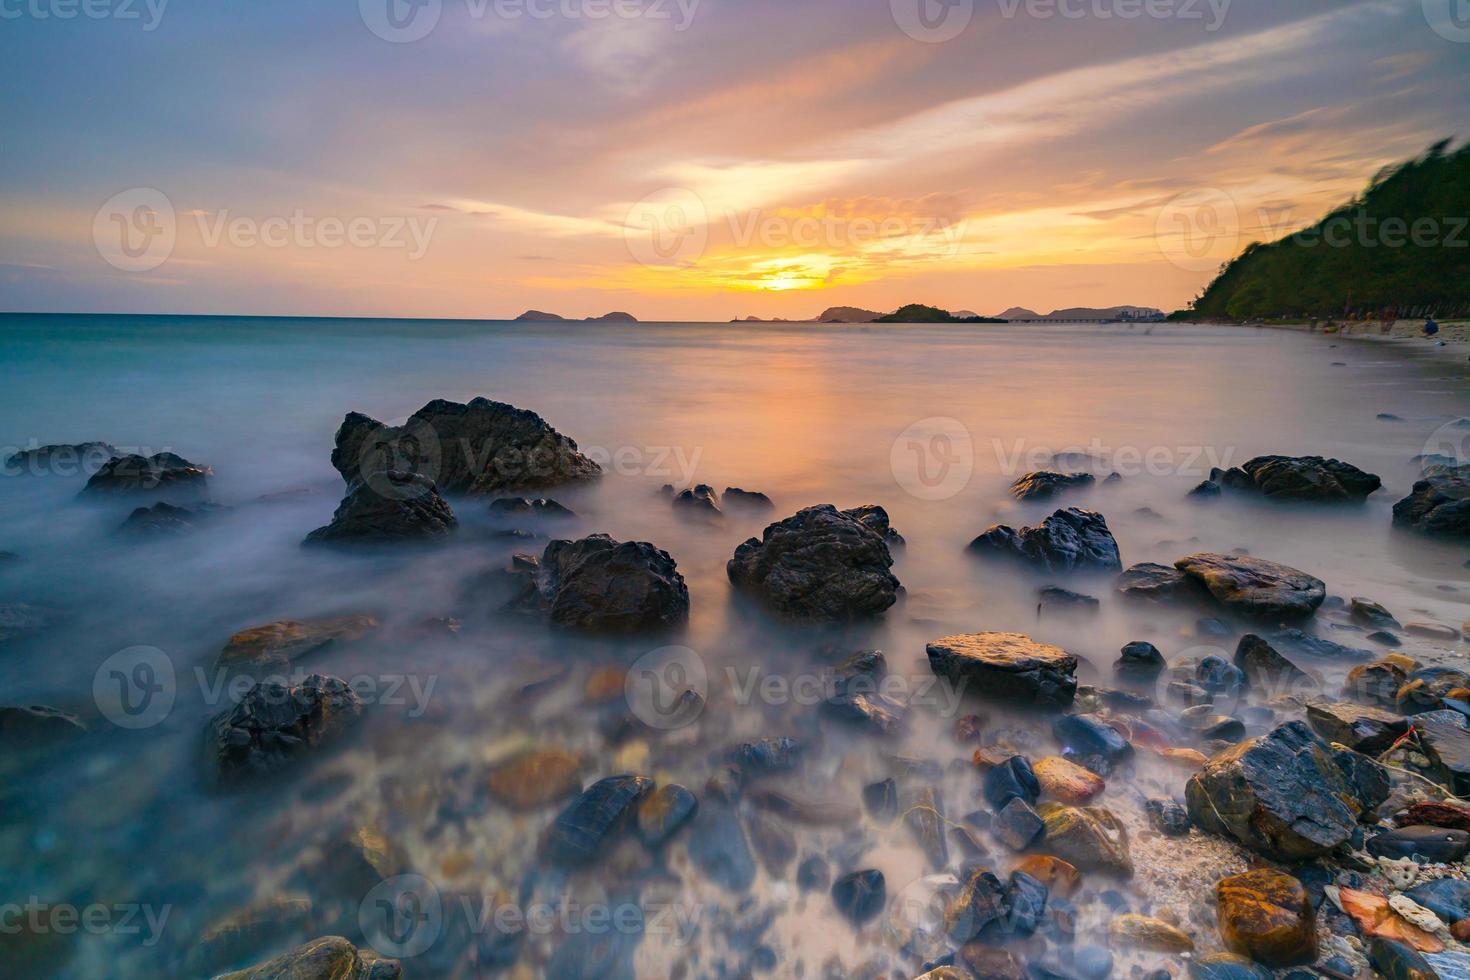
(689, 159)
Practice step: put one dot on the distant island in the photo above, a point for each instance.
(1397, 250)
(1084, 314)
(919, 313)
(538, 316)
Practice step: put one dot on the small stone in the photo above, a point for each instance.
(860, 895)
(1226, 966)
(1067, 781)
(1144, 932)
(1090, 838)
(1268, 916)
(1168, 817)
(1370, 613)
(1432, 844)
(1013, 778)
(283, 642)
(1090, 735)
(1361, 728)
(1399, 961)
(812, 875)
(1139, 662)
(1432, 631)
(663, 812)
(881, 800)
(1060, 877)
(582, 830)
(1016, 824)
(536, 778)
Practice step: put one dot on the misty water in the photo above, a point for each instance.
(931, 422)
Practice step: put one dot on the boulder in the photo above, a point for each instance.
(1090, 838)
(1068, 540)
(1153, 582)
(279, 644)
(167, 474)
(1254, 587)
(820, 564)
(331, 958)
(1293, 642)
(1280, 794)
(1269, 916)
(273, 724)
(1056, 601)
(589, 822)
(598, 584)
(166, 520)
(1439, 504)
(77, 459)
(385, 508)
(482, 447)
(748, 501)
(1045, 484)
(875, 519)
(1006, 666)
(1266, 669)
(1309, 478)
(1359, 727)
(1139, 662)
(697, 501)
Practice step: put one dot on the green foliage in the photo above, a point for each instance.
(1402, 246)
(919, 313)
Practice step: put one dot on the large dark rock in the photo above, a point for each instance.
(163, 474)
(1359, 727)
(79, 459)
(820, 564)
(1448, 898)
(1399, 961)
(1436, 845)
(1089, 736)
(992, 912)
(749, 501)
(1006, 666)
(592, 819)
(1157, 583)
(1266, 669)
(601, 585)
(1303, 478)
(1068, 540)
(1447, 745)
(273, 724)
(1045, 484)
(386, 508)
(1295, 643)
(1011, 779)
(1439, 504)
(1280, 794)
(1254, 587)
(1140, 662)
(860, 895)
(482, 447)
(166, 520)
(332, 958)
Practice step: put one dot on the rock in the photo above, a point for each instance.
(1143, 932)
(1309, 478)
(773, 843)
(1434, 845)
(285, 641)
(162, 473)
(860, 895)
(718, 849)
(1067, 781)
(1436, 813)
(991, 912)
(1064, 602)
(1227, 966)
(273, 724)
(1006, 666)
(1254, 587)
(1359, 727)
(1266, 669)
(1069, 540)
(1206, 489)
(482, 447)
(1060, 877)
(875, 519)
(923, 814)
(332, 958)
(538, 507)
(1045, 484)
(1167, 816)
(1378, 683)
(698, 501)
(78, 459)
(768, 755)
(1448, 898)
(749, 501)
(1439, 504)
(274, 922)
(1375, 918)
(871, 711)
(1428, 689)
(356, 860)
(536, 777)
(1399, 961)
(1432, 631)
(164, 520)
(881, 800)
(1268, 916)
(35, 725)
(812, 875)
(1090, 838)
(1370, 613)
(388, 507)
(586, 826)
(597, 584)
(1012, 779)
(990, 962)
(1139, 662)
(1280, 794)
(1016, 825)
(1157, 583)
(1093, 963)
(1448, 747)
(1090, 735)
(821, 564)
(1369, 782)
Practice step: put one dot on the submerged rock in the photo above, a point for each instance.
(663, 812)
(388, 507)
(1266, 669)
(332, 958)
(820, 564)
(1013, 778)
(274, 724)
(540, 507)
(1370, 613)
(34, 725)
(697, 501)
(1157, 583)
(585, 827)
(163, 473)
(536, 777)
(1295, 643)
(1227, 966)
(1139, 662)
(860, 895)
(285, 641)
(77, 459)
(1090, 838)
(1068, 540)
(1268, 916)
(1255, 587)
(1144, 932)
(749, 501)
(164, 519)
(602, 585)
(1168, 817)
(1045, 484)
(1439, 504)
(1089, 735)
(1309, 478)
(482, 447)
(21, 620)
(1006, 666)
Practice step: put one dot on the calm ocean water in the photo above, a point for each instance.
(932, 422)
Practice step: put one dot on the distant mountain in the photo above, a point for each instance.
(1019, 313)
(1088, 313)
(919, 313)
(847, 314)
(537, 315)
(615, 317)
(965, 314)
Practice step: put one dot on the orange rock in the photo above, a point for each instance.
(1375, 918)
(605, 684)
(537, 777)
(1059, 877)
(456, 864)
(987, 758)
(1454, 816)
(1268, 916)
(1067, 781)
(1193, 758)
(1461, 930)
(285, 641)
